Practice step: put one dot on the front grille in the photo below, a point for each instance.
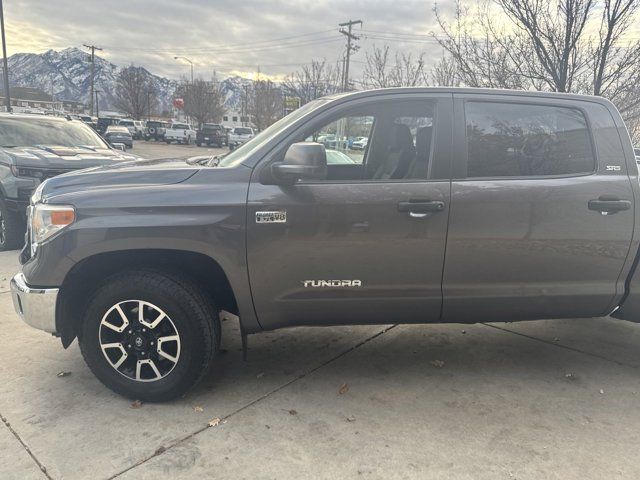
(24, 194)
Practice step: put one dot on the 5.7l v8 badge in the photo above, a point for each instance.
(271, 217)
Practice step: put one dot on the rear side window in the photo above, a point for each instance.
(519, 140)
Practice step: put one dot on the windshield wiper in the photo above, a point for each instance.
(9, 146)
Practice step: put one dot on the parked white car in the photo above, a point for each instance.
(360, 143)
(240, 135)
(180, 133)
(135, 127)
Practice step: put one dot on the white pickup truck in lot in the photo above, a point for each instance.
(180, 133)
(240, 135)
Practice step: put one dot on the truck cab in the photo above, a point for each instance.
(464, 205)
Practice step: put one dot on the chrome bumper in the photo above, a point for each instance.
(36, 306)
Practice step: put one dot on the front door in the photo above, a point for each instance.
(530, 233)
(365, 245)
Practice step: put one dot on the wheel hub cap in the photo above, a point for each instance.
(139, 340)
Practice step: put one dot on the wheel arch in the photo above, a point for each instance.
(91, 271)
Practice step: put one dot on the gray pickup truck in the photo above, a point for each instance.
(465, 206)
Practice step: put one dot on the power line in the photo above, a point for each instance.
(289, 40)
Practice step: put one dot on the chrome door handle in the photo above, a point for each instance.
(420, 208)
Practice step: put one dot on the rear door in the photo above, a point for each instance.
(365, 245)
(541, 210)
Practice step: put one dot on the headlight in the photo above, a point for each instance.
(26, 172)
(48, 220)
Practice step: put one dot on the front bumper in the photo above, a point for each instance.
(36, 306)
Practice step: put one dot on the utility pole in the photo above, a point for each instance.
(350, 48)
(7, 93)
(148, 105)
(93, 49)
(97, 104)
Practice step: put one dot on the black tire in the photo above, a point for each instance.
(191, 312)
(11, 228)
(198, 144)
(168, 142)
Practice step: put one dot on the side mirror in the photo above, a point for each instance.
(119, 146)
(303, 161)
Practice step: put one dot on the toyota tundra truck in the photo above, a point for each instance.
(465, 206)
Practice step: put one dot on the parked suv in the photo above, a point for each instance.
(34, 148)
(154, 130)
(466, 206)
(211, 134)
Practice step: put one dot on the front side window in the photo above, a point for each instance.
(520, 140)
(382, 142)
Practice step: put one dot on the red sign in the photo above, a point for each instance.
(178, 103)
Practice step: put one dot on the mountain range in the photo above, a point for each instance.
(67, 75)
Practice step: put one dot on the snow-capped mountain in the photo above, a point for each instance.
(67, 74)
(233, 89)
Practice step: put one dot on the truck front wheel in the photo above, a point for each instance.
(149, 335)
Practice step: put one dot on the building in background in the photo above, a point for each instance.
(33, 100)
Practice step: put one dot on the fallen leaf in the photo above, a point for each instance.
(351, 419)
(556, 339)
(464, 331)
(601, 392)
(64, 374)
(570, 376)
(344, 388)
(260, 375)
(215, 422)
(437, 363)
(136, 404)
(293, 412)
(198, 409)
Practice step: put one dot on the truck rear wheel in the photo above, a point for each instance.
(11, 231)
(149, 335)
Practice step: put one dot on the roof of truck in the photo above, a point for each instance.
(475, 91)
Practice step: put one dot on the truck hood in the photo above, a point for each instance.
(65, 158)
(118, 175)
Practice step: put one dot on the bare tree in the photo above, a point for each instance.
(444, 73)
(135, 94)
(549, 45)
(313, 81)
(203, 100)
(383, 70)
(265, 103)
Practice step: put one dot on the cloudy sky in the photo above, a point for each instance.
(231, 37)
(228, 36)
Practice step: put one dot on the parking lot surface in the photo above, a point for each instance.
(153, 149)
(534, 400)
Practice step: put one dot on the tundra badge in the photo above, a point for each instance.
(271, 217)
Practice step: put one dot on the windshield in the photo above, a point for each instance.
(239, 154)
(242, 131)
(28, 132)
(180, 126)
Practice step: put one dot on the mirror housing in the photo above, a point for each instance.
(303, 161)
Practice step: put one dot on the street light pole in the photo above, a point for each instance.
(7, 93)
(190, 62)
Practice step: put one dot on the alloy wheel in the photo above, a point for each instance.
(139, 340)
